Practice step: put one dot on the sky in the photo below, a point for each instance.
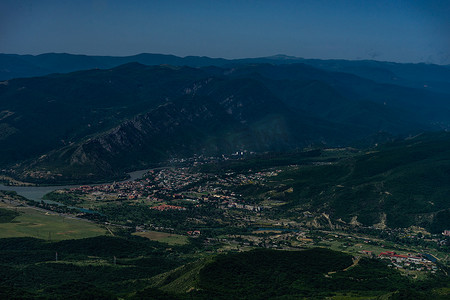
(387, 30)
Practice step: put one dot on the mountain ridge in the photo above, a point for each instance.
(59, 120)
(418, 75)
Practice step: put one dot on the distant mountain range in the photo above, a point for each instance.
(100, 122)
(428, 76)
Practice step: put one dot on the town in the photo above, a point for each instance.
(159, 187)
(188, 202)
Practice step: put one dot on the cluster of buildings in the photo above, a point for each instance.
(232, 204)
(160, 187)
(156, 185)
(120, 190)
(194, 233)
(232, 179)
(164, 207)
(419, 262)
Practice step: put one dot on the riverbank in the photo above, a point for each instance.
(36, 193)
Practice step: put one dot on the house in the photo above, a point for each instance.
(387, 254)
(367, 252)
(194, 233)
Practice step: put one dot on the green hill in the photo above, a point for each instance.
(399, 184)
(100, 267)
(136, 268)
(269, 274)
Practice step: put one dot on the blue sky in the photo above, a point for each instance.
(402, 31)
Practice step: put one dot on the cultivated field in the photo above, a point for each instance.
(48, 226)
(164, 237)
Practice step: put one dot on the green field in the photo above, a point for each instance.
(48, 226)
(163, 237)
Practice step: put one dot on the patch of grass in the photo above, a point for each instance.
(42, 225)
(182, 279)
(358, 296)
(444, 292)
(164, 237)
(7, 216)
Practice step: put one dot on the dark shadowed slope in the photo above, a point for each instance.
(103, 122)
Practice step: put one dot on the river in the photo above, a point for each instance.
(37, 192)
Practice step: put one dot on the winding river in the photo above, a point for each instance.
(37, 192)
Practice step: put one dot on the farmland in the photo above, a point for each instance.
(163, 237)
(48, 226)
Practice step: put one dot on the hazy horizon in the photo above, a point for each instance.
(397, 31)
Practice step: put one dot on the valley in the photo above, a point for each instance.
(224, 150)
(261, 179)
(195, 209)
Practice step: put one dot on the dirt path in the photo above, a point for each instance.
(354, 264)
(110, 231)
